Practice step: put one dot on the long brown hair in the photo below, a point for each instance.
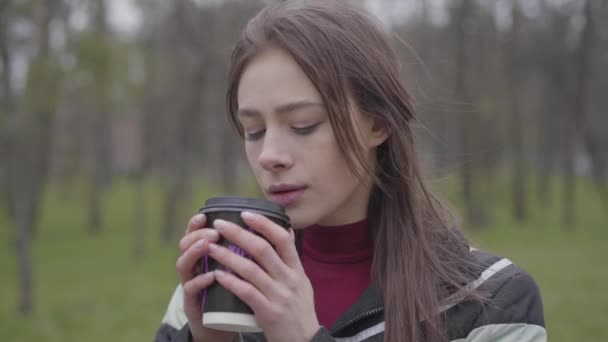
(418, 254)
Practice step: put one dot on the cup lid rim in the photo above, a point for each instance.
(236, 203)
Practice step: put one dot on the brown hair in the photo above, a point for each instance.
(418, 255)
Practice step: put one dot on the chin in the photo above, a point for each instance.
(299, 220)
(298, 224)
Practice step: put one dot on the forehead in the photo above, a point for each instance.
(273, 78)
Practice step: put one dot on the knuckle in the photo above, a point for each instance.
(191, 291)
(284, 294)
(262, 250)
(284, 238)
(188, 289)
(292, 282)
(250, 269)
(247, 291)
(273, 315)
(201, 280)
(183, 243)
(179, 265)
(194, 286)
(190, 225)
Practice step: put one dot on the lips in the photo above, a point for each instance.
(285, 194)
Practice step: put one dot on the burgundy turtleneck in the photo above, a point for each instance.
(337, 260)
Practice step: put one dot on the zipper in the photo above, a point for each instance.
(358, 318)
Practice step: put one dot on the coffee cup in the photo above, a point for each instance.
(221, 309)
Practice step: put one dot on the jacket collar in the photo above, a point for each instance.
(369, 303)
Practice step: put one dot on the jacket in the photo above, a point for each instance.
(514, 312)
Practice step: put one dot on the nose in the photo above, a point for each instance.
(275, 155)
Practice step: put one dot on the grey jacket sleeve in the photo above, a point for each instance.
(173, 320)
(170, 334)
(174, 326)
(183, 335)
(515, 313)
(321, 336)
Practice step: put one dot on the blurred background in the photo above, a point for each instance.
(113, 133)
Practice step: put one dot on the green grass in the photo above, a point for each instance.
(89, 288)
(569, 264)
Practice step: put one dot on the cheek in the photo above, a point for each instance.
(251, 152)
(332, 175)
(330, 162)
(335, 177)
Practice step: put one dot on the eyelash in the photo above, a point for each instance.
(298, 130)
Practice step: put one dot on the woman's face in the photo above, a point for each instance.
(291, 146)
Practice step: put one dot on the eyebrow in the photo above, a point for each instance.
(282, 109)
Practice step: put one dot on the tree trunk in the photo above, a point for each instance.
(569, 191)
(585, 53)
(95, 202)
(229, 162)
(188, 116)
(544, 152)
(24, 260)
(140, 218)
(578, 126)
(147, 140)
(101, 169)
(473, 215)
(516, 118)
(28, 170)
(7, 106)
(173, 199)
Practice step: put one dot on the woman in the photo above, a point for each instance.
(315, 92)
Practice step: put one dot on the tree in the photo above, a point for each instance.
(30, 156)
(578, 130)
(462, 22)
(96, 50)
(513, 71)
(8, 115)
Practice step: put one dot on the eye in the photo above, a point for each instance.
(307, 129)
(254, 135)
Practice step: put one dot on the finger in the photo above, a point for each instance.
(186, 262)
(242, 266)
(277, 235)
(196, 222)
(189, 239)
(193, 292)
(256, 246)
(247, 292)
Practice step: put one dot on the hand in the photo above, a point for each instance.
(275, 288)
(193, 246)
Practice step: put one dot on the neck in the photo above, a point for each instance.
(338, 243)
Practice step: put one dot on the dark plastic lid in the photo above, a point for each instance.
(234, 203)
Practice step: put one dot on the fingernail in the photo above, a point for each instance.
(198, 219)
(248, 215)
(219, 273)
(213, 234)
(212, 247)
(220, 224)
(199, 244)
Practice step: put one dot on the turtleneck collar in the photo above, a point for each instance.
(348, 243)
